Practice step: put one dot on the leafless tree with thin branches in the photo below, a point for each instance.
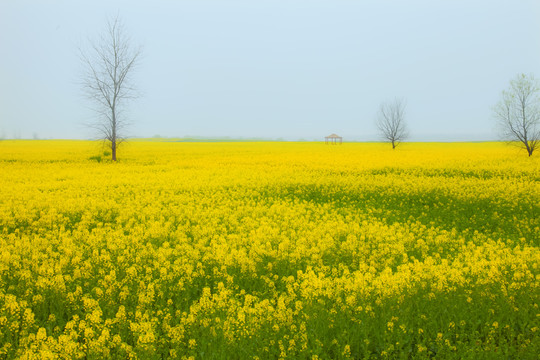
(391, 121)
(518, 112)
(108, 66)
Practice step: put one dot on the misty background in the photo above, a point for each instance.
(296, 69)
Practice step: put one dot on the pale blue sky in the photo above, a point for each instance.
(276, 69)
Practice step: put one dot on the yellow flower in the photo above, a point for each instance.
(41, 334)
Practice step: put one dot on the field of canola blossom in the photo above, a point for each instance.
(269, 250)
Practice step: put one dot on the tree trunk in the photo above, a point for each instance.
(528, 148)
(393, 145)
(113, 149)
(113, 128)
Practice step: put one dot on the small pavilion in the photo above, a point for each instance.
(333, 139)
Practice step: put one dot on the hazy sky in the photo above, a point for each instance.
(282, 68)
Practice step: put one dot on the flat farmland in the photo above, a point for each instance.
(267, 250)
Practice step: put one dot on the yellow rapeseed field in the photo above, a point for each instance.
(269, 250)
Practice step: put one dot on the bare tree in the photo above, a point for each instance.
(109, 63)
(518, 112)
(391, 121)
